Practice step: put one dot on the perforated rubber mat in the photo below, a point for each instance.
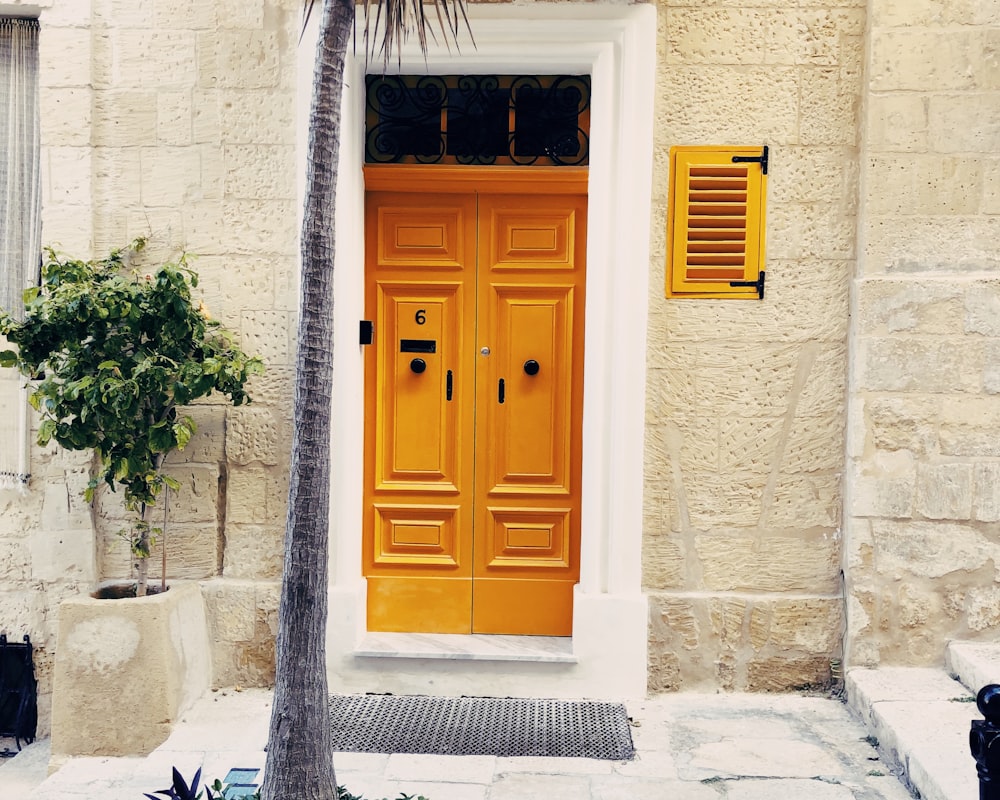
(480, 726)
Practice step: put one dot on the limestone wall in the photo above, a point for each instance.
(173, 119)
(746, 399)
(924, 453)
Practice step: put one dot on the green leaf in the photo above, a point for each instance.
(8, 358)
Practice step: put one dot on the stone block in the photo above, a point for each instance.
(991, 187)
(257, 117)
(982, 307)
(923, 307)
(903, 422)
(944, 491)
(960, 123)
(794, 289)
(155, 59)
(122, 118)
(66, 116)
(198, 498)
(247, 59)
(231, 609)
(828, 109)
(914, 59)
(934, 13)
(174, 116)
(15, 561)
(884, 485)
(986, 492)
(116, 175)
(254, 552)
(241, 13)
(203, 228)
(67, 175)
(814, 444)
(968, 426)
(728, 616)
(897, 123)
(896, 364)
(257, 433)
(805, 501)
(662, 561)
(760, 104)
(950, 244)
(748, 444)
(798, 231)
(64, 57)
(207, 445)
(170, 176)
(195, 15)
(246, 492)
(716, 35)
(724, 500)
(260, 226)
(916, 606)
(924, 184)
(929, 549)
(803, 625)
(778, 674)
(769, 562)
(205, 119)
(811, 35)
(260, 172)
(268, 334)
(983, 603)
(193, 552)
(276, 387)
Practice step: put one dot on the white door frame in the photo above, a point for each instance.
(616, 45)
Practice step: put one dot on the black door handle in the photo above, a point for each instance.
(418, 365)
(501, 391)
(531, 367)
(447, 386)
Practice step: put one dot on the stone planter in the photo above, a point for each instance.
(126, 669)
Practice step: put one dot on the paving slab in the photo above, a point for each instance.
(975, 664)
(919, 719)
(689, 747)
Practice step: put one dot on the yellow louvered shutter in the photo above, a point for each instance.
(715, 227)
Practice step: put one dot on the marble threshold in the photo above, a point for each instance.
(470, 647)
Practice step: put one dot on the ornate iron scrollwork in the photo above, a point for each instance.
(478, 119)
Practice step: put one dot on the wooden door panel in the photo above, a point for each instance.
(527, 232)
(528, 446)
(412, 238)
(418, 436)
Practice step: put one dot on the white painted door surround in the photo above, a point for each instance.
(606, 657)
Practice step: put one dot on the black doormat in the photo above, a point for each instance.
(488, 726)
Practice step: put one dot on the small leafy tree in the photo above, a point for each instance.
(113, 353)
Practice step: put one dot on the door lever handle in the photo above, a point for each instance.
(447, 386)
(501, 391)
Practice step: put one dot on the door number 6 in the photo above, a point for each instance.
(421, 316)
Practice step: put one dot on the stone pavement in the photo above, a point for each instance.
(689, 747)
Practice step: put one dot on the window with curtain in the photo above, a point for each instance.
(20, 219)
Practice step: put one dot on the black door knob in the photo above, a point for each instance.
(418, 365)
(531, 367)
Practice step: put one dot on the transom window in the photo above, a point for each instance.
(519, 120)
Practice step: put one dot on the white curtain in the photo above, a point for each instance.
(20, 220)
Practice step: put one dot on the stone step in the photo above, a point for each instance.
(920, 718)
(975, 664)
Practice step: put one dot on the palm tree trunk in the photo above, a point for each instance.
(299, 756)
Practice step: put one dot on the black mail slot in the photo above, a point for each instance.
(417, 346)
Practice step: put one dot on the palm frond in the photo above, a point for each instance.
(398, 20)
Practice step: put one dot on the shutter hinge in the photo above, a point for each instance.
(757, 284)
(366, 332)
(761, 159)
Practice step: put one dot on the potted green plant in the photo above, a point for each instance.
(114, 352)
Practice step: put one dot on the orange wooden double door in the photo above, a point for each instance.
(473, 399)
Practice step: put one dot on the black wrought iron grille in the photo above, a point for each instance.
(478, 119)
